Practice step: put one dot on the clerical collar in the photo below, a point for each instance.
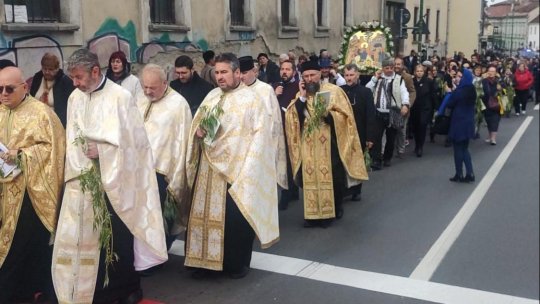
(167, 91)
(101, 84)
(254, 81)
(234, 89)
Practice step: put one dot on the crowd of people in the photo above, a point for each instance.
(101, 172)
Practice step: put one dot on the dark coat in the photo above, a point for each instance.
(62, 88)
(422, 109)
(361, 99)
(463, 103)
(271, 74)
(194, 91)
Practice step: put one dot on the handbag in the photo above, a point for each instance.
(441, 125)
(493, 103)
(397, 121)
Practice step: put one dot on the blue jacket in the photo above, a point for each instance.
(462, 102)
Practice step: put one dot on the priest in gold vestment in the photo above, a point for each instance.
(167, 119)
(34, 142)
(231, 171)
(324, 146)
(105, 131)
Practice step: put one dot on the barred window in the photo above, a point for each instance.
(320, 7)
(237, 12)
(162, 11)
(32, 11)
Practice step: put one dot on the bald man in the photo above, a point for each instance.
(35, 143)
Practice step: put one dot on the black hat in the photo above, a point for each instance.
(310, 65)
(246, 63)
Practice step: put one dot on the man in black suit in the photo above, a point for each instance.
(189, 84)
(411, 61)
(361, 99)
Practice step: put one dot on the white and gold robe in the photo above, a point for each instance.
(269, 98)
(167, 122)
(238, 156)
(110, 118)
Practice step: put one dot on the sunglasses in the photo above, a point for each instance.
(9, 89)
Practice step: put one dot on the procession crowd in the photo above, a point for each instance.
(102, 172)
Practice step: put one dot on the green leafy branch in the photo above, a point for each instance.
(319, 110)
(210, 121)
(90, 181)
(170, 211)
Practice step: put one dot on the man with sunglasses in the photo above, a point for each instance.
(105, 133)
(33, 141)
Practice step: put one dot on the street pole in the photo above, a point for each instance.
(512, 31)
(421, 16)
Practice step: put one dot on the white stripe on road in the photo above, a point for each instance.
(536, 107)
(377, 282)
(440, 248)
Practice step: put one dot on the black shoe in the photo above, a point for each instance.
(419, 152)
(150, 271)
(456, 178)
(339, 213)
(387, 163)
(310, 223)
(283, 205)
(239, 274)
(200, 274)
(376, 166)
(469, 178)
(356, 197)
(133, 298)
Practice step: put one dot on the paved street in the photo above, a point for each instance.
(414, 238)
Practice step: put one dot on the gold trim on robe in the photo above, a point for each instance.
(33, 128)
(238, 156)
(110, 118)
(312, 152)
(167, 125)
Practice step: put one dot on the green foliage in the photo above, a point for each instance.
(367, 160)
(90, 181)
(210, 121)
(315, 121)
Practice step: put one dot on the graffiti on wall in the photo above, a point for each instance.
(24, 50)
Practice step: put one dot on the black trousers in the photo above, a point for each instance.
(381, 127)
(239, 237)
(27, 267)
(123, 279)
(162, 187)
(290, 194)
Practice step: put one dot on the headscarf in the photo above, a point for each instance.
(466, 79)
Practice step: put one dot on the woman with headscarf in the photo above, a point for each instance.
(492, 113)
(462, 102)
(119, 72)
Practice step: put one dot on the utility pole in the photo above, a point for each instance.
(512, 31)
(421, 16)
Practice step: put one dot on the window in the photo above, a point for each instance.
(347, 13)
(437, 25)
(162, 11)
(428, 12)
(37, 11)
(320, 12)
(285, 12)
(236, 8)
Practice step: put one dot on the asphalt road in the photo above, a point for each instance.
(369, 255)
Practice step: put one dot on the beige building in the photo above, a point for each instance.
(464, 26)
(436, 16)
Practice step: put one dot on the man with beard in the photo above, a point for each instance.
(110, 193)
(231, 173)
(192, 87)
(266, 93)
(51, 86)
(363, 107)
(324, 146)
(390, 94)
(286, 92)
(401, 137)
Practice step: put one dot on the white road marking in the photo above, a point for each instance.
(377, 282)
(437, 252)
(536, 107)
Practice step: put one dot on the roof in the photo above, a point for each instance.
(503, 9)
(535, 20)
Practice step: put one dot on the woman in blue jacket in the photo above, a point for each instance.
(462, 102)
